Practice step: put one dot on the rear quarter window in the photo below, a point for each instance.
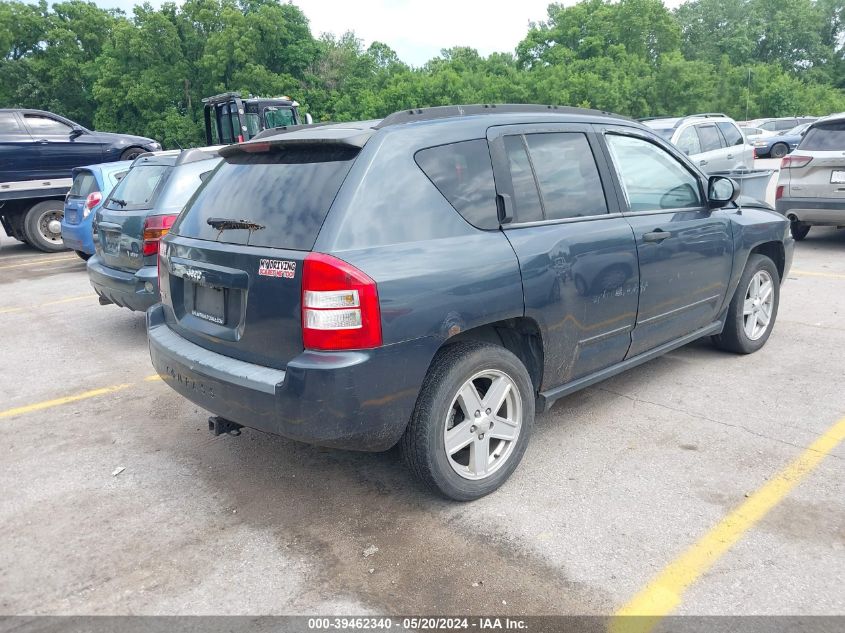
(825, 137)
(463, 173)
(287, 190)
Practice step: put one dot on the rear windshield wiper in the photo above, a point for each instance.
(122, 203)
(223, 224)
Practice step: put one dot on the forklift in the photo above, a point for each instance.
(231, 118)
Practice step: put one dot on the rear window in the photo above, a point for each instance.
(825, 137)
(84, 183)
(463, 173)
(139, 188)
(287, 190)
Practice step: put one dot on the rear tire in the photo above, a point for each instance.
(799, 230)
(16, 226)
(456, 444)
(779, 150)
(753, 309)
(42, 226)
(85, 256)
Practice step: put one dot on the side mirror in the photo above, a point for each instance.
(721, 191)
(76, 132)
(309, 120)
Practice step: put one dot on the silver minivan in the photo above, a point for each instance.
(811, 187)
(713, 141)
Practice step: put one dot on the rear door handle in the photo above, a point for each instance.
(42, 141)
(656, 236)
(702, 162)
(730, 155)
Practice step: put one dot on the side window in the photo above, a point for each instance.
(768, 126)
(688, 141)
(9, 124)
(785, 124)
(463, 173)
(44, 126)
(732, 135)
(709, 137)
(278, 117)
(526, 199)
(567, 174)
(652, 179)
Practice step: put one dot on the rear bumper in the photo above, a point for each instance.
(814, 210)
(359, 400)
(128, 290)
(78, 237)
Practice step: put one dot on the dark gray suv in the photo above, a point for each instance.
(435, 278)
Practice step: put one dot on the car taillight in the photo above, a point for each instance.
(794, 162)
(754, 153)
(91, 201)
(340, 307)
(779, 192)
(155, 228)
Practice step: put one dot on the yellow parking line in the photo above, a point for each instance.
(663, 594)
(47, 404)
(809, 273)
(48, 303)
(152, 378)
(44, 262)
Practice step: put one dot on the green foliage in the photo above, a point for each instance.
(147, 73)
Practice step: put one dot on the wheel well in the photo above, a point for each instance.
(521, 336)
(774, 251)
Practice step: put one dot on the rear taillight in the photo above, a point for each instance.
(754, 153)
(794, 162)
(91, 201)
(779, 192)
(340, 308)
(155, 228)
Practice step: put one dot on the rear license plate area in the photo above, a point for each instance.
(111, 243)
(209, 304)
(837, 177)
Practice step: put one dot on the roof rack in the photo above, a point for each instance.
(443, 112)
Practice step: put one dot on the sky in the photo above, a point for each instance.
(418, 29)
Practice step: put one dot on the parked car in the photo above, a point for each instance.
(415, 280)
(774, 125)
(91, 186)
(131, 222)
(38, 151)
(713, 141)
(780, 144)
(751, 134)
(811, 185)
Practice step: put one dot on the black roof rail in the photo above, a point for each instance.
(444, 112)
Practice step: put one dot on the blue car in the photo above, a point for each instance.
(91, 185)
(780, 144)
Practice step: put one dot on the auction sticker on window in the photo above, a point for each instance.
(277, 268)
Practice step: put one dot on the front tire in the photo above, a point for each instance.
(132, 153)
(43, 226)
(472, 421)
(779, 150)
(753, 309)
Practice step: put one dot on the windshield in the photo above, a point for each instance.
(796, 130)
(287, 191)
(83, 183)
(138, 190)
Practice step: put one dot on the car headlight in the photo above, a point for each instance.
(155, 147)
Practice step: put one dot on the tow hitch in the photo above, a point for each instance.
(221, 426)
